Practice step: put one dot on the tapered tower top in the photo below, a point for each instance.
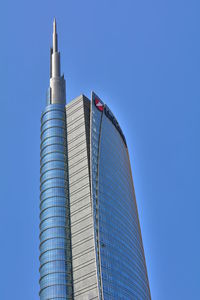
(54, 25)
(57, 94)
(55, 37)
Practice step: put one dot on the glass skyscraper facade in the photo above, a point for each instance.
(90, 239)
(55, 248)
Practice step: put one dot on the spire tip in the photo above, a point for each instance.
(54, 25)
(55, 38)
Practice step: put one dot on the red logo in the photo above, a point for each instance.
(99, 105)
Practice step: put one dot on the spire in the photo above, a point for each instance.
(57, 82)
(55, 37)
(54, 25)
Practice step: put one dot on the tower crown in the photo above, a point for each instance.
(57, 92)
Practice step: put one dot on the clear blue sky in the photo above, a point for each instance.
(143, 59)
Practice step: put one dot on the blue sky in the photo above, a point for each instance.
(143, 59)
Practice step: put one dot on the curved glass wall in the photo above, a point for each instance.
(120, 255)
(55, 246)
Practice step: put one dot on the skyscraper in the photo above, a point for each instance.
(90, 239)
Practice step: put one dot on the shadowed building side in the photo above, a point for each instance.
(85, 281)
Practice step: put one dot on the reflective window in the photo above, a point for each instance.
(120, 255)
(55, 244)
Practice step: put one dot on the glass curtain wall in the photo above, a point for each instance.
(121, 262)
(55, 247)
